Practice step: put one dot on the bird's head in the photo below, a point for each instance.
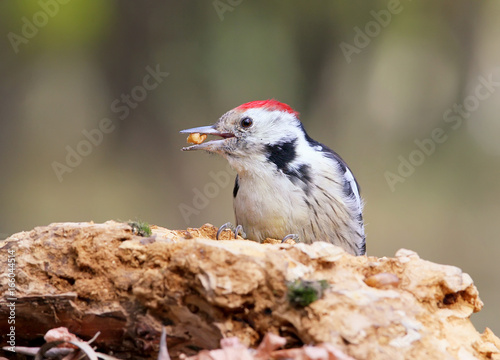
(248, 131)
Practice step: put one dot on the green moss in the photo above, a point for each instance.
(140, 228)
(301, 293)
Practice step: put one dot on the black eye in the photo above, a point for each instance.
(246, 122)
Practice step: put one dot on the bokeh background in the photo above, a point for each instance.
(369, 97)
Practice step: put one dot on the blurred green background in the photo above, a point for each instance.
(370, 79)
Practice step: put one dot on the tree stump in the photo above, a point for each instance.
(102, 277)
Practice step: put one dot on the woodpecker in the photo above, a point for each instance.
(287, 184)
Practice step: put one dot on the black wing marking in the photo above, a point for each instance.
(236, 187)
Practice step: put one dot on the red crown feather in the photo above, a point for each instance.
(268, 104)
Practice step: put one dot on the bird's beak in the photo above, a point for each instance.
(209, 145)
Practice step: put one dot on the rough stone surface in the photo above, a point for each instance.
(101, 277)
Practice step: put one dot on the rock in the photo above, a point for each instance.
(102, 277)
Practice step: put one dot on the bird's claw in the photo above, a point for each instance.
(226, 226)
(238, 230)
(294, 237)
